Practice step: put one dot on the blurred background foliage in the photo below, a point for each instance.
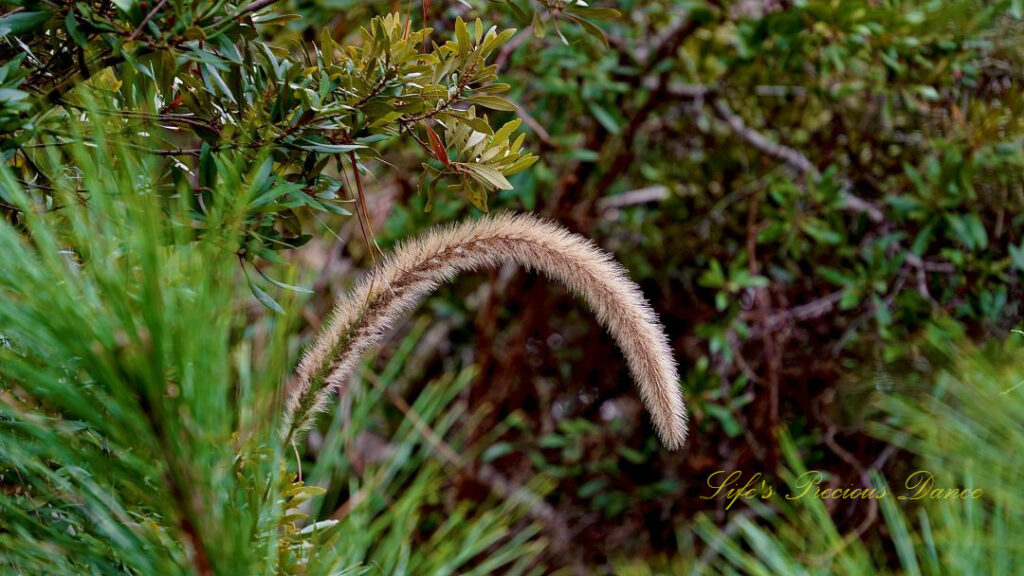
(823, 201)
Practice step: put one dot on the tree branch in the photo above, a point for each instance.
(633, 197)
(149, 16)
(790, 156)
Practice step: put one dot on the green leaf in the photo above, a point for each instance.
(835, 276)
(928, 93)
(904, 204)
(592, 29)
(969, 229)
(596, 13)
(263, 297)
(821, 234)
(493, 102)
(207, 167)
(496, 451)
(488, 175)
(584, 155)
(916, 179)
(462, 36)
(922, 240)
(477, 196)
(501, 136)
(977, 230)
(713, 277)
(286, 286)
(125, 5)
(21, 22)
(1017, 256)
(307, 144)
(373, 138)
(430, 185)
(604, 117)
(592, 488)
(72, 27)
(725, 417)
(520, 13)
(882, 314)
(634, 456)
(721, 301)
(537, 25)
(553, 441)
(273, 18)
(210, 72)
(9, 95)
(520, 164)
(850, 299)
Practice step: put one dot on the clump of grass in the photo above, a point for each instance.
(140, 408)
(965, 433)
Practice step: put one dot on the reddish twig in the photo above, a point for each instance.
(149, 16)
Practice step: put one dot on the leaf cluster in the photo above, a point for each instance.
(203, 84)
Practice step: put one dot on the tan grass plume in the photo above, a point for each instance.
(363, 317)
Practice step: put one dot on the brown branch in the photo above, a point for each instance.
(809, 311)
(855, 204)
(771, 352)
(159, 118)
(537, 127)
(790, 156)
(362, 207)
(374, 91)
(865, 480)
(666, 42)
(138, 30)
(140, 148)
(622, 159)
(506, 51)
(682, 90)
(633, 197)
(917, 262)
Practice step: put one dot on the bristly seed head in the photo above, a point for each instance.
(364, 316)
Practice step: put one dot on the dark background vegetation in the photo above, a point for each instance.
(816, 197)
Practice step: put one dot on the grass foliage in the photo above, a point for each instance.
(966, 432)
(141, 402)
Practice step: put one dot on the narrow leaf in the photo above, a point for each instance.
(438, 148)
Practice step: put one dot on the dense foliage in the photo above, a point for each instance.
(201, 86)
(140, 407)
(817, 196)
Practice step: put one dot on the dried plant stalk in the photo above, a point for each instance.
(362, 318)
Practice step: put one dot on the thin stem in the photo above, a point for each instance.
(149, 16)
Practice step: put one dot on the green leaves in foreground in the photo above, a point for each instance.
(140, 406)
